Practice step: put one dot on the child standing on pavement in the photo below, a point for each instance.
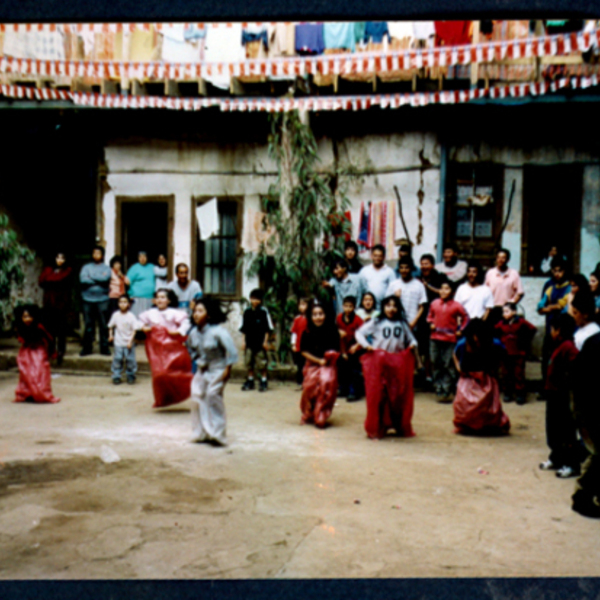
(256, 327)
(298, 328)
(349, 371)
(122, 327)
(447, 319)
(516, 334)
(213, 351)
(561, 433)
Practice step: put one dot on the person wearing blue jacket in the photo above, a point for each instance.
(95, 281)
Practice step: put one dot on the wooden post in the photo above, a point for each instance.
(475, 65)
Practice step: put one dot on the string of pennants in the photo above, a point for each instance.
(312, 104)
(339, 64)
(108, 27)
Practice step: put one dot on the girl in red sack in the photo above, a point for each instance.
(320, 346)
(388, 368)
(33, 358)
(477, 405)
(166, 329)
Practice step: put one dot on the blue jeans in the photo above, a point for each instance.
(127, 355)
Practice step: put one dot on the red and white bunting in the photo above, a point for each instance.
(347, 64)
(316, 103)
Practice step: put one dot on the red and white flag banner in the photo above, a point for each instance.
(312, 104)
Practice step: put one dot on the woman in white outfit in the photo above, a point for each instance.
(213, 350)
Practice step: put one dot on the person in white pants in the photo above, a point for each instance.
(213, 350)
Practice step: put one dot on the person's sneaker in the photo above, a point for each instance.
(521, 400)
(507, 398)
(116, 380)
(565, 472)
(131, 380)
(547, 465)
(262, 386)
(248, 385)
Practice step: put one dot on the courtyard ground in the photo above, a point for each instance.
(281, 500)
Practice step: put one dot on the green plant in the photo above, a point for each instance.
(305, 207)
(12, 276)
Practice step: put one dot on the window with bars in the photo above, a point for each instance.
(217, 257)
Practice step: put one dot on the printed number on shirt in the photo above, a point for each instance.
(387, 332)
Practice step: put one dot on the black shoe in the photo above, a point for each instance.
(248, 385)
(131, 380)
(116, 380)
(342, 393)
(105, 352)
(521, 400)
(587, 508)
(85, 353)
(541, 396)
(262, 386)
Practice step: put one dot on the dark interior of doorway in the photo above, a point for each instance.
(144, 227)
(552, 198)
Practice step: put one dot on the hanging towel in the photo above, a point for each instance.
(375, 31)
(401, 29)
(223, 44)
(382, 228)
(175, 48)
(339, 35)
(423, 30)
(207, 215)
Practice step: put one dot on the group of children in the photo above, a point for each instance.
(372, 350)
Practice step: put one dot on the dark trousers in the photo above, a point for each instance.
(95, 312)
(350, 375)
(512, 374)
(444, 371)
(547, 349)
(299, 361)
(587, 487)
(561, 432)
(55, 321)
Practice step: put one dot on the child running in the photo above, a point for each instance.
(368, 309)
(121, 330)
(256, 327)
(389, 367)
(213, 351)
(171, 366)
(516, 334)
(561, 433)
(447, 319)
(37, 346)
(477, 405)
(320, 347)
(298, 328)
(349, 372)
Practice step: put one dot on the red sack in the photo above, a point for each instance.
(34, 375)
(477, 405)
(390, 394)
(319, 390)
(171, 367)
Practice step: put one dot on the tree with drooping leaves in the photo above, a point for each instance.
(305, 208)
(12, 276)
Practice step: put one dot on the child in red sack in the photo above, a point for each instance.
(166, 329)
(298, 328)
(516, 334)
(561, 432)
(320, 347)
(477, 405)
(33, 358)
(349, 371)
(447, 319)
(389, 366)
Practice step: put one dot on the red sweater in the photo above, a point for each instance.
(516, 335)
(347, 341)
(559, 367)
(298, 327)
(445, 315)
(57, 286)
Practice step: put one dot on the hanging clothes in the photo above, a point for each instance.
(375, 31)
(193, 32)
(423, 30)
(401, 30)
(339, 35)
(453, 33)
(382, 225)
(255, 33)
(207, 216)
(309, 38)
(175, 48)
(359, 31)
(363, 233)
(282, 38)
(40, 45)
(223, 44)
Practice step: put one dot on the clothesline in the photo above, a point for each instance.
(312, 104)
(339, 64)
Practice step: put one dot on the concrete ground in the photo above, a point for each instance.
(282, 500)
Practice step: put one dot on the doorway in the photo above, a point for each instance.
(144, 224)
(552, 198)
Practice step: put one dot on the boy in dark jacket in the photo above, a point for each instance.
(256, 327)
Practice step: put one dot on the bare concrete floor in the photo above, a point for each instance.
(282, 500)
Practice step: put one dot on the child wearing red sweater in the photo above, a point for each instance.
(298, 328)
(516, 334)
(447, 319)
(349, 371)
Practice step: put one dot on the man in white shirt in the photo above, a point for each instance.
(184, 288)
(377, 277)
(411, 292)
(477, 299)
(455, 270)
